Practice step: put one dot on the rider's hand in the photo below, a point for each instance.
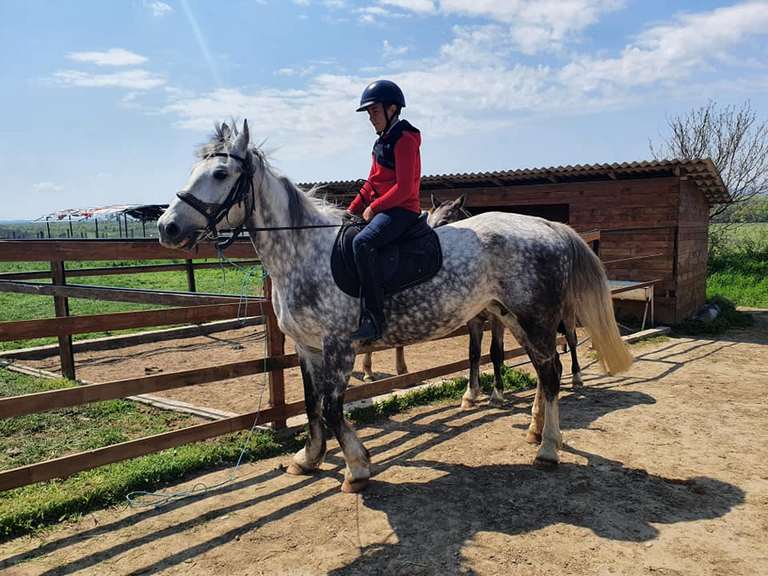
(368, 214)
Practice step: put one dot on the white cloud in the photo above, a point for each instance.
(670, 52)
(301, 2)
(112, 57)
(46, 187)
(530, 25)
(136, 79)
(301, 72)
(158, 8)
(473, 85)
(390, 50)
(421, 6)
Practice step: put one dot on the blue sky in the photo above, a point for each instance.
(104, 102)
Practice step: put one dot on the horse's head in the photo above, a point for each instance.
(219, 190)
(447, 212)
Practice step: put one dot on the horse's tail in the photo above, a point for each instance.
(589, 296)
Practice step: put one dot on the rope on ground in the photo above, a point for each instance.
(145, 499)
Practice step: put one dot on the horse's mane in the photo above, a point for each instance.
(304, 206)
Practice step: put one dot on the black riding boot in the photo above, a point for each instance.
(371, 312)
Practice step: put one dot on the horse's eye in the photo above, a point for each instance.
(220, 174)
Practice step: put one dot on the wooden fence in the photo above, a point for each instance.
(188, 307)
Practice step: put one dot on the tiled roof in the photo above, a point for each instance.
(701, 172)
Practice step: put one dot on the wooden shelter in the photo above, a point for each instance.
(652, 215)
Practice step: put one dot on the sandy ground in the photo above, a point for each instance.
(664, 472)
(239, 395)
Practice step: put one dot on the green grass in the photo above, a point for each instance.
(40, 505)
(29, 307)
(738, 264)
(513, 380)
(37, 437)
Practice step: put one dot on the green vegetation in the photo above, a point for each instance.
(513, 380)
(728, 318)
(108, 228)
(39, 505)
(753, 210)
(227, 280)
(38, 437)
(738, 264)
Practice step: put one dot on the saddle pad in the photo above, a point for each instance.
(413, 258)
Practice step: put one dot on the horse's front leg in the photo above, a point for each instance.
(311, 456)
(338, 360)
(497, 357)
(400, 364)
(368, 367)
(470, 397)
(570, 336)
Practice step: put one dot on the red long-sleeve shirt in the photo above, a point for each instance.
(398, 188)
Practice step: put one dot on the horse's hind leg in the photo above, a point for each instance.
(497, 357)
(539, 340)
(549, 369)
(311, 456)
(368, 367)
(400, 364)
(475, 327)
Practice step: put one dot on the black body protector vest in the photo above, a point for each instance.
(384, 147)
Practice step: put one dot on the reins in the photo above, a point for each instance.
(243, 191)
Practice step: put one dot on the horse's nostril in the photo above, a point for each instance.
(172, 230)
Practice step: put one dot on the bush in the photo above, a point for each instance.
(728, 318)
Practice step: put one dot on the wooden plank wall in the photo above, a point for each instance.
(636, 218)
(692, 249)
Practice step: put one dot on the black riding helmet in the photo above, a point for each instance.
(384, 91)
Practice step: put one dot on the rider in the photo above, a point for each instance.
(389, 200)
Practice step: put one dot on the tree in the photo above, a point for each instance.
(732, 137)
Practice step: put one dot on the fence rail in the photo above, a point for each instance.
(194, 308)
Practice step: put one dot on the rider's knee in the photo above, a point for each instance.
(361, 246)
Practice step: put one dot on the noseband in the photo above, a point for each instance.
(214, 213)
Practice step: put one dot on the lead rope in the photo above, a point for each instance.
(146, 499)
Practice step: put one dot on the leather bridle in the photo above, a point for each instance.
(242, 191)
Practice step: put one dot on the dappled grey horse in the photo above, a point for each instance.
(451, 211)
(448, 212)
(526, 271)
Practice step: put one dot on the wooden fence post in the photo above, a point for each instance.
(61, 306)
(275, 347)
(191, 276)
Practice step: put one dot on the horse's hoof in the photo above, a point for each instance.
(495, 402)
(467, 403)
(533, 437)
(354, 486)
(368, 378)
(545, 463)
(576, 380)
(296, 470)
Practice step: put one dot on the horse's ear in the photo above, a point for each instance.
(242, 140)
(459, 202)
(435, 203)
(224, 132)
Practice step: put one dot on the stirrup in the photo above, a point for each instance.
(369, 329)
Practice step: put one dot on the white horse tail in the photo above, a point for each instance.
(590, 297)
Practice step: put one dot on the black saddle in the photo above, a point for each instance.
(413, 258)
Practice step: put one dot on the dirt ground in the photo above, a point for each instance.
(664, 472)
(238, 395)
